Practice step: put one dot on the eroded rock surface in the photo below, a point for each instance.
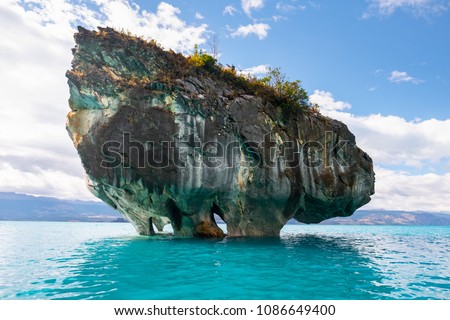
(167, 148)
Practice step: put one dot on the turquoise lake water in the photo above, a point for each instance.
(45, 260)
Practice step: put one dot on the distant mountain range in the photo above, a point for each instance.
(20, 207)
(381, 217)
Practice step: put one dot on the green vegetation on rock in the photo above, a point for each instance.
(274, 86)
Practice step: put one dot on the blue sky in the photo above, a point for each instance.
(380, 66)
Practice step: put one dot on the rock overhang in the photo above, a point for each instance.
(163, 147)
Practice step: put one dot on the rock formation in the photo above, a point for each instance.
(163, 144)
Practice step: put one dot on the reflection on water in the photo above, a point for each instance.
(319, 262)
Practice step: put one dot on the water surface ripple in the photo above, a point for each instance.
(44, 260)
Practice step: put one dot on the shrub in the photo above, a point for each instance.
(201, 59)
(290, 92)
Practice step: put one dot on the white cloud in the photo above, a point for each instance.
(164, 25)
(249, 5)
(259, 29)
(229, 10)
(400, 76)
(397, 190)
(36, 154)
(392, 142)
(199, 16)
(256, 70)
(42, 182)
(34, 145)
(326, 101)
(417, 7)
(378, 72)
(314, 5)
(286, 7)
(277, 18)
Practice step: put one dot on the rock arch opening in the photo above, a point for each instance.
(217, 217)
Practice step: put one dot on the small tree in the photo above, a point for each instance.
(290, 91)
(201, 59)
(213, 43)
